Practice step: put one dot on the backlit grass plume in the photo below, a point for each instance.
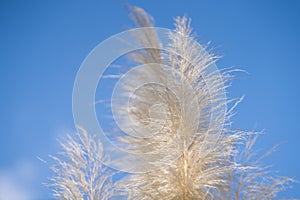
(79, 173)
(194, 152)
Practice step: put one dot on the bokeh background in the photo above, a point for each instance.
(42, 44)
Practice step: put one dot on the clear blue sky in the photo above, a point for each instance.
(42, 44)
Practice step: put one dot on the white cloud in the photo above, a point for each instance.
(15, 183)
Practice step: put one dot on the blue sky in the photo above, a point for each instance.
(44, 42)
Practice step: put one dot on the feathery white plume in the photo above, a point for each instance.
(185, 129)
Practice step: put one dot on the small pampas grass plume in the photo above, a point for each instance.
(79, 173)
(208, 166)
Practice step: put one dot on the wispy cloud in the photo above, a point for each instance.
(15, 182)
